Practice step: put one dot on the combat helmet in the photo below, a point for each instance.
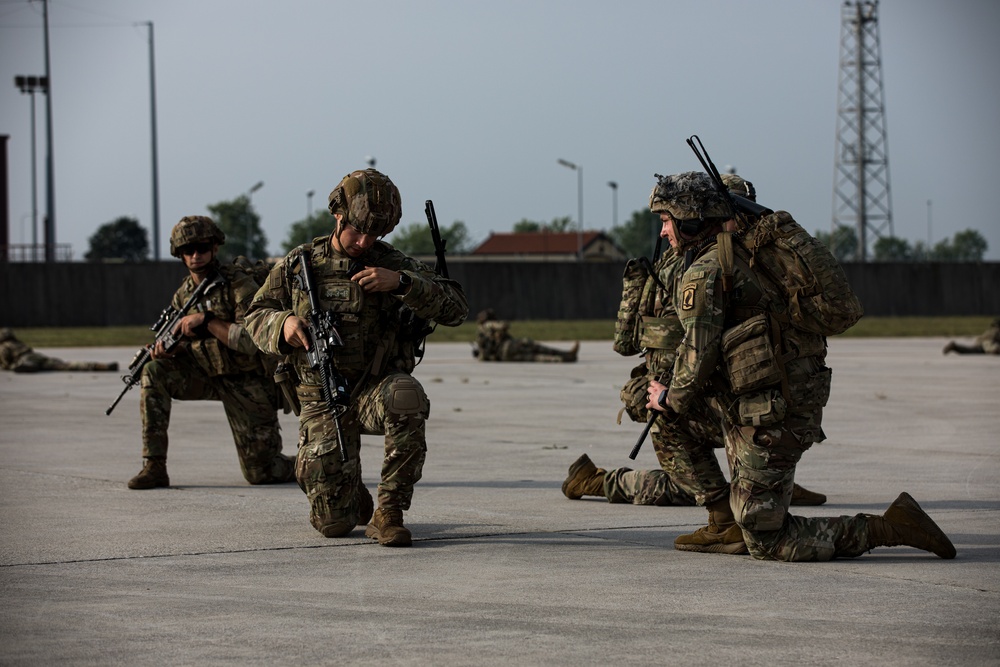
(194, 229)
(369, 202)
(739, 186)
(688, 196)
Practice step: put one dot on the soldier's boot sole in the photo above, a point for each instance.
(704, 540)
(580, 480)
(336, 529)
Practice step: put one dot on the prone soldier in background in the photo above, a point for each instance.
(494, 343)
(18, 356)
(215, 361)
(369, 291)
(987, 342)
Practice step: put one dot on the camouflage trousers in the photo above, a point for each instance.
(685, 447)
(644, 487)
(525, 349)
(249, 401)
(762, 463)
(395, 406)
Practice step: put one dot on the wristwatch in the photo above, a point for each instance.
(404, 284)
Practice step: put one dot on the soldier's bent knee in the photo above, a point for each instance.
(406, 398)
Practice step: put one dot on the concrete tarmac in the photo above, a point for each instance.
(504, 569)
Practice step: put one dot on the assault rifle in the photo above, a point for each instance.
(663, 379)
(440, 245)
(323, 337)
(164, 328)
(742, 207)
(417, 328)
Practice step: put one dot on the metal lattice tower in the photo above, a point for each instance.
(861, 175)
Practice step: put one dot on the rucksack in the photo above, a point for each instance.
(819, 298)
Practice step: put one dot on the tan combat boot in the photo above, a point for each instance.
(722, 535)
(906, 523)
(585, 479)
(574, 351)
(152, 475)
(803, 496)
(387, 527)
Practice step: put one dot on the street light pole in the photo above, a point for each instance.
(30, 85)
(614, 203)
(579, 204)
(50, 189)
(152, 125)
(256, 186)
(309, 204)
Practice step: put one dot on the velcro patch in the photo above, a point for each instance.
(687, 300)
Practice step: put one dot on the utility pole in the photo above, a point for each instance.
(861, 174)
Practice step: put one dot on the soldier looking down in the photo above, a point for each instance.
(370, 290)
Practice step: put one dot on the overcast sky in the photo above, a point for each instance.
(471, 103)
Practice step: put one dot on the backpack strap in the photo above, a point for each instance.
(726, 259)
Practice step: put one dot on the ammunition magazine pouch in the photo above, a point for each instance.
(750, 352)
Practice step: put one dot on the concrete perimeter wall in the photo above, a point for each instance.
(83, 294)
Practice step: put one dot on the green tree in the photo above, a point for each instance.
(415, 239)
(526, 226)
(320, 223)
(966, 246)
(122, 239)
(843, 242)
(892, 249)
(238, 220)
(637, 235)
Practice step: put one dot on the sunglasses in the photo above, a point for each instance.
(192, 248)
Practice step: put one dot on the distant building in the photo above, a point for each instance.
(547, 247)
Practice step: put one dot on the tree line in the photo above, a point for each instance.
(124, 239)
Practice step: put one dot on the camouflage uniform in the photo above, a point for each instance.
(987, 342)
(684, 446)
(377, 359)
(494, 343)
(19, 357)
(206, 369)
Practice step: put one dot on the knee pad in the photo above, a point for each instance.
(406, 397)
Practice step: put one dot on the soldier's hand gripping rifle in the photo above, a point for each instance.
(323, 337)
(653, 414)
(164, 328)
